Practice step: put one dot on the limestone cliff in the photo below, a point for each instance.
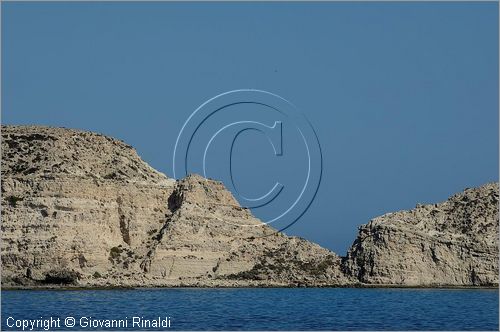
(83, 208)
(79, 208)
(450, 243)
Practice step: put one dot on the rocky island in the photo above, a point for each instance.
(80, 209)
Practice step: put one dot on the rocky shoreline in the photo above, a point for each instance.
(81, 210)
(375, 286)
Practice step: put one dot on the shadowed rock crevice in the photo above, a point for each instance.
(124, 229)
(175, 200)
(61, 277)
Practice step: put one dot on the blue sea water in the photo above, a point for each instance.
(260, 309)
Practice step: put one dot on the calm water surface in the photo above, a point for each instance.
(265, 309)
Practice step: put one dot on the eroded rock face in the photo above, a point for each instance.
(209, 237)
(69, 196)
(451, 243)
(82, 208)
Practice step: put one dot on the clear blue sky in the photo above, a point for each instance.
(403, 96)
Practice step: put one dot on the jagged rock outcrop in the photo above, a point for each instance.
(208, 236)
(451, 243)
(83, 209)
